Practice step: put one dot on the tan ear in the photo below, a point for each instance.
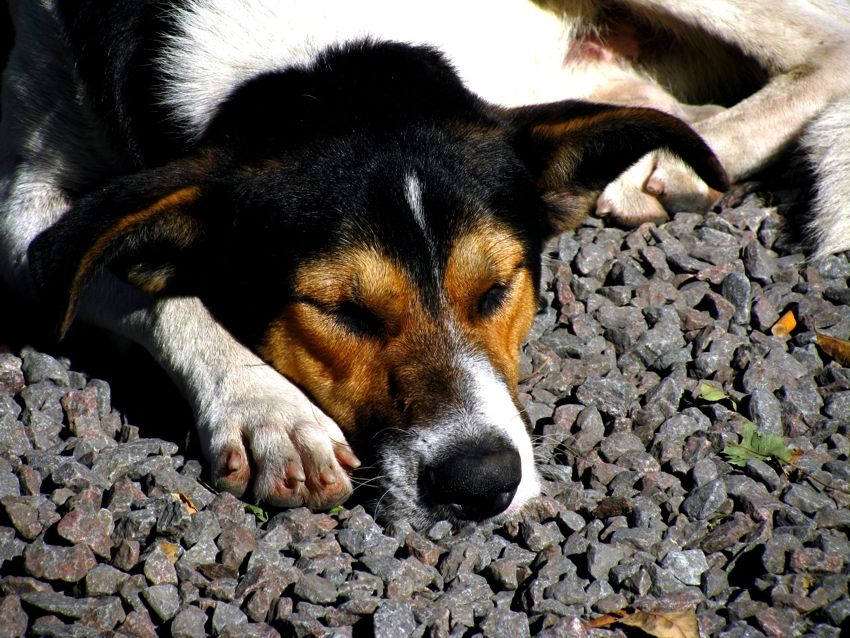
(138, 228)
(575, 149)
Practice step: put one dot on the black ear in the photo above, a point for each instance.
(143, 227)
(575, 149)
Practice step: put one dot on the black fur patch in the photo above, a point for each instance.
(115, 43)
(353, 86)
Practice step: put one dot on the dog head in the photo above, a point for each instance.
(372, 230)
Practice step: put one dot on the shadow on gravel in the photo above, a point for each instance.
(786, 184)
(141, 391)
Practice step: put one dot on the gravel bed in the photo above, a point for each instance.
(104, 528)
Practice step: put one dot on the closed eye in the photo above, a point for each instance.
(358, 320)
(492, 300)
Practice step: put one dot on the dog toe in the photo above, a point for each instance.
(630, 208)
(327, 482)
(279, 481)
(232, 471)
(330, 486)
(345, 455)
(293, 486)
(277, 444)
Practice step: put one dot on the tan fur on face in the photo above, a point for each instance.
(339, 369)
(490, 255)
(402, 370)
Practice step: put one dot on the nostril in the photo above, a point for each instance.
(477, 482)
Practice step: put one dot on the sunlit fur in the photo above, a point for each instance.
(438, 373)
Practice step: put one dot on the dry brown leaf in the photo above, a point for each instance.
(171, 551)
(187, 502)
(664, 624)
(602, 621)
(785, 325)
(838, 349)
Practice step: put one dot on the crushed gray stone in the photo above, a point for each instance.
(104, 529)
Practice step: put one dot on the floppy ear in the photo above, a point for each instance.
(575, 149)
(143, 227)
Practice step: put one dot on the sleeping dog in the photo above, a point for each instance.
(324, 219)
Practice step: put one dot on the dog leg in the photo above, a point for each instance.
(253, 424)
(750, 134)
(804, 48)
(745, 137)
(828, 144)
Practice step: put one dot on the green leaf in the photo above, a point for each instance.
(336, 509)
(258, 512)
(713, 393)
(757, 446)
(739, 453)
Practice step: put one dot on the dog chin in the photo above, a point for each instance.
(389, 508)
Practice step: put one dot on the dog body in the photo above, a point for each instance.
(328, 236)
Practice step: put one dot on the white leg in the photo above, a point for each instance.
(804, 46)
(252, 422)
(827, 141)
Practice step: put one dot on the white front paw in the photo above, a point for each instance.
(657, 184)
(261, 429)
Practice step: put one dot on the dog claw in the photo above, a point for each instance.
(294, 473)
(327, 477)
(233, 462)
(346, 457)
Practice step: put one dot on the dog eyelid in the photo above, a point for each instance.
(492, 299)
(354, 317)
(358, 319)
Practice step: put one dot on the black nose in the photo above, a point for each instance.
(477, 482)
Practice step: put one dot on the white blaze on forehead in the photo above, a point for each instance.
(413, 195)
(493, 405)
